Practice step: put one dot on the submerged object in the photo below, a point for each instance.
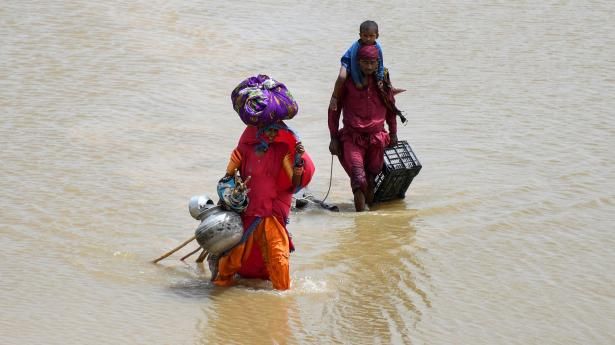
(303, 198)
(400, 167)
(261, 101)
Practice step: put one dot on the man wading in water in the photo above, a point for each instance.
(361, 142)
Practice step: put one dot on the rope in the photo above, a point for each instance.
(330, 180)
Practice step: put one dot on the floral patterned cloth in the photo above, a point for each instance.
(260, 101)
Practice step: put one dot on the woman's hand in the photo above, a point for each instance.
(240, 185)
(299, 148)
(298, 166)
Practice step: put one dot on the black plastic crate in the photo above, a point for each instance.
(399, 169)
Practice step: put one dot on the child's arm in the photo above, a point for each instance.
(341, 78)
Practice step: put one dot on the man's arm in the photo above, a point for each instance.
(341, 78)
(391, 120)
(334, 122)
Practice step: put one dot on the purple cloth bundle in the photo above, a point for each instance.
(260, 100)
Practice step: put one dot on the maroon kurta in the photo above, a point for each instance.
(363, 137)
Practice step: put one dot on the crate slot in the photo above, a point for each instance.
(399, 169)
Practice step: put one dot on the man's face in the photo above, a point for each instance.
(368, 67)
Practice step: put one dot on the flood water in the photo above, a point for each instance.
(115, 113)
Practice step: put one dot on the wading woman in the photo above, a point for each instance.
(270, 154)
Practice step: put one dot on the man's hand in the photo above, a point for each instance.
(393, 141)
(334, 147)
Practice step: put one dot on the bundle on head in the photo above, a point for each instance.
(261, 101)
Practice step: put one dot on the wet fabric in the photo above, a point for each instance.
(362, 156)
(265, 253)
(363, 136)
(234, 201)
(364, 110)
(261, 100)
(350, 61)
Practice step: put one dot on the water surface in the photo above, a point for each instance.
(113, 114)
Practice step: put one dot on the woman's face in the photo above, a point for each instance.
(271, 133)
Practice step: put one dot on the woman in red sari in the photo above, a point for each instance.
(278, 166)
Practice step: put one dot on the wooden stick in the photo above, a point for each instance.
(189, 254)
(201, 257)
(176, 249)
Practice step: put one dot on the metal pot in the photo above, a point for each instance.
(198, 205)
(219, 231)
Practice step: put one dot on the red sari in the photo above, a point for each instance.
(266, 252)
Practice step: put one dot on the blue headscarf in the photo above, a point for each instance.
(350, 61)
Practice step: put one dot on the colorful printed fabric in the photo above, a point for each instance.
(261, 101)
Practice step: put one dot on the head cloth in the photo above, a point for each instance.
(368, 52)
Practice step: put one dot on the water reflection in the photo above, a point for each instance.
(249, 315)
(381, 278)
(251, 312)
(368, 285)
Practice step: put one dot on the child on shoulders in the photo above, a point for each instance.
(368, 35)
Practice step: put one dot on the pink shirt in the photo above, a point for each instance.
(270, 187)
(364, 111)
